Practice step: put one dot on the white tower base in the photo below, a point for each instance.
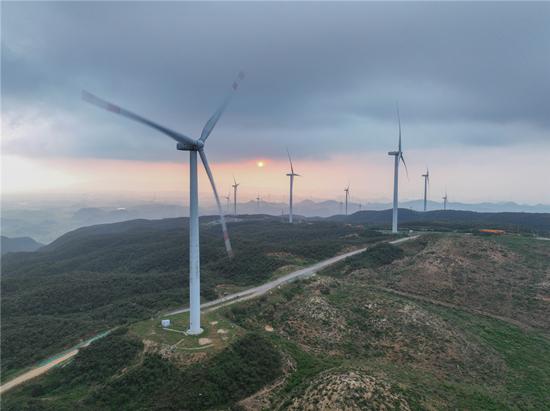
(194, 255)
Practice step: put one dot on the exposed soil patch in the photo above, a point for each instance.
(348, 390)
(473, 272)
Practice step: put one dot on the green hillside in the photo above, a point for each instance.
(450, 220)
(361, 335)
(98, 277)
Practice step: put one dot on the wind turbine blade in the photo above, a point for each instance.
(211, 123)
(96, 101)
(399, 123)
(222, 218)
(289, 159)
(405, 164)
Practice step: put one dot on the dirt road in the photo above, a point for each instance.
(49, 363)
(35, 372)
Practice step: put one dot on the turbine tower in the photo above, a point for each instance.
(235, 185)
(292, 174)
(194, 146)
(258, 202)
(426, 182)
(398, 156)
(445, 201)
(228, 205)
(347, 197)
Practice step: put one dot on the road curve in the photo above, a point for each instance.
(212, 305)
(262, 289)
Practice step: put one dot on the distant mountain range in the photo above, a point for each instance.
(47, 224)
(327, 208)
(9, 245)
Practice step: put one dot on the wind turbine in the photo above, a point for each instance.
(194, 146)
(235, 185)
(445, 201)
(347, 197)
(398, 156)
(426, 182)
(292, 174)
(258, 202)
(228, 199)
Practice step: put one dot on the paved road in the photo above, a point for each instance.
(262, 289)
(51, 362)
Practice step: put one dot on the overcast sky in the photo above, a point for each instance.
(472, 81)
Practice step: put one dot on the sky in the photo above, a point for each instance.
(322, 79)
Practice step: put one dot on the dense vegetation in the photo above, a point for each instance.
(346, 340)
(451, 220)
(98, 277)
(93, 380)
(375, 256)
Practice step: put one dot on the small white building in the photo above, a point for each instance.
(165, 323)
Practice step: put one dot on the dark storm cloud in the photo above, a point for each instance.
(318, 74)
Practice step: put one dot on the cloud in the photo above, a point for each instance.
(322, 78)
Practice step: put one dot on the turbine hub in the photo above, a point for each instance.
(195, 146)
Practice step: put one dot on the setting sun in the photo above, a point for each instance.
(260, 164)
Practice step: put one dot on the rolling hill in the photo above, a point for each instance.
(453, 220)
(98, 277)
(395, 327)
(17, 244)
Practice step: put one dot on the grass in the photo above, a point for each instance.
(175, 338)
(527, 375)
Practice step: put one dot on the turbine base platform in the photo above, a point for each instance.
(195, 332)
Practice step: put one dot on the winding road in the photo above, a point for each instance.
(45, 365)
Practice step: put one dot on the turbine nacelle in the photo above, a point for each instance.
(195, 146)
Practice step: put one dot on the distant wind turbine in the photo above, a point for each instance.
(445, 201)
(292, 174)
(235, 185)
(194, 146)
(398, 156)
(426, 182)
(347, 197)
(228, 205)
(258, 202)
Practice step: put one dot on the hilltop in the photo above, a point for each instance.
(396, 327)
(47, 221)
(452, 220)
(94, 278)
(17, 244)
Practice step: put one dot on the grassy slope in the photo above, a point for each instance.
(101, 276)
(431, 356)
(336, 341)
(507, 276)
